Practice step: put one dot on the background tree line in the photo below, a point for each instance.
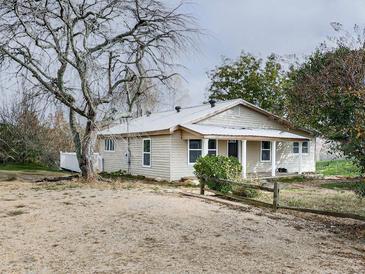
(325, 92)
(27, 135)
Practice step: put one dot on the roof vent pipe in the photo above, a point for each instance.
(177, 108)
(212, 103)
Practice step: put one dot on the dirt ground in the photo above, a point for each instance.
(136, 228)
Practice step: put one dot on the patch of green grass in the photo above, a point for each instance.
(25, 167)
(338, 167)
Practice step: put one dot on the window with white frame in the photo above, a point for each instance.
(295, 147)
(195, 150)
(305, 147)
(146, 153)
(212, 147)
(265, 151)
(109, 145)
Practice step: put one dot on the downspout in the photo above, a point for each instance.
(128, 148)
(315, 154)
(126, 117)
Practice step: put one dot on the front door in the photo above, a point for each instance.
(233, 148)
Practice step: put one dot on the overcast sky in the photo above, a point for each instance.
(260, 27)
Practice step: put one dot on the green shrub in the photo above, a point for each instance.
(360, 190)
(220, 167)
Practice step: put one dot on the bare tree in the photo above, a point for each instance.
(178, 95)
(81, 52)
(141, 96)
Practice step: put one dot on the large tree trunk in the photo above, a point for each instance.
(84, 147)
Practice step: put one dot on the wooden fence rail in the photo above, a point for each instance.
(274, 190)
(276, 198)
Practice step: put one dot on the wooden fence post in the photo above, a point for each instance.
(276, 196)
(202, 186)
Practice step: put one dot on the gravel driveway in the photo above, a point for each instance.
(157, 230)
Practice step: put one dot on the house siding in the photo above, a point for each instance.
(285, 158)
(169, 158)
(179, 157)
(241, 116)
(160, 157)
(114, 160)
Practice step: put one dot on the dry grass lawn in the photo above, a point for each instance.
(131, 227)
(318, 194)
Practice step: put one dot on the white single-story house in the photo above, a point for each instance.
(165, 145)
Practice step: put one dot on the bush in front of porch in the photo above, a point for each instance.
(219, 167)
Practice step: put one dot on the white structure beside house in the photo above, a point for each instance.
(165, 145)
(68, 161)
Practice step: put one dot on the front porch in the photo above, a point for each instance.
(262, 153)
(261, 158)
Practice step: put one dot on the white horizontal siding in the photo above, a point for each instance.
(179, 158)
(114, 160)
(241, 116)
(285, 158)
(160, 157)
(289, 160)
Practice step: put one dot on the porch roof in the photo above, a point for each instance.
(217, 132)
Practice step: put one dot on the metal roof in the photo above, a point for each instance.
(171, 120)
(212, 131)
(166, 120)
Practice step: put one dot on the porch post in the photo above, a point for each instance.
(205, 147)
(300, 158)
(244, 158)
(273, 158)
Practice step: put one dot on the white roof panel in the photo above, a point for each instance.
(187, 117)
(242, 132)
(168, 119)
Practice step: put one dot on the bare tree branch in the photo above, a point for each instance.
(85, 53)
